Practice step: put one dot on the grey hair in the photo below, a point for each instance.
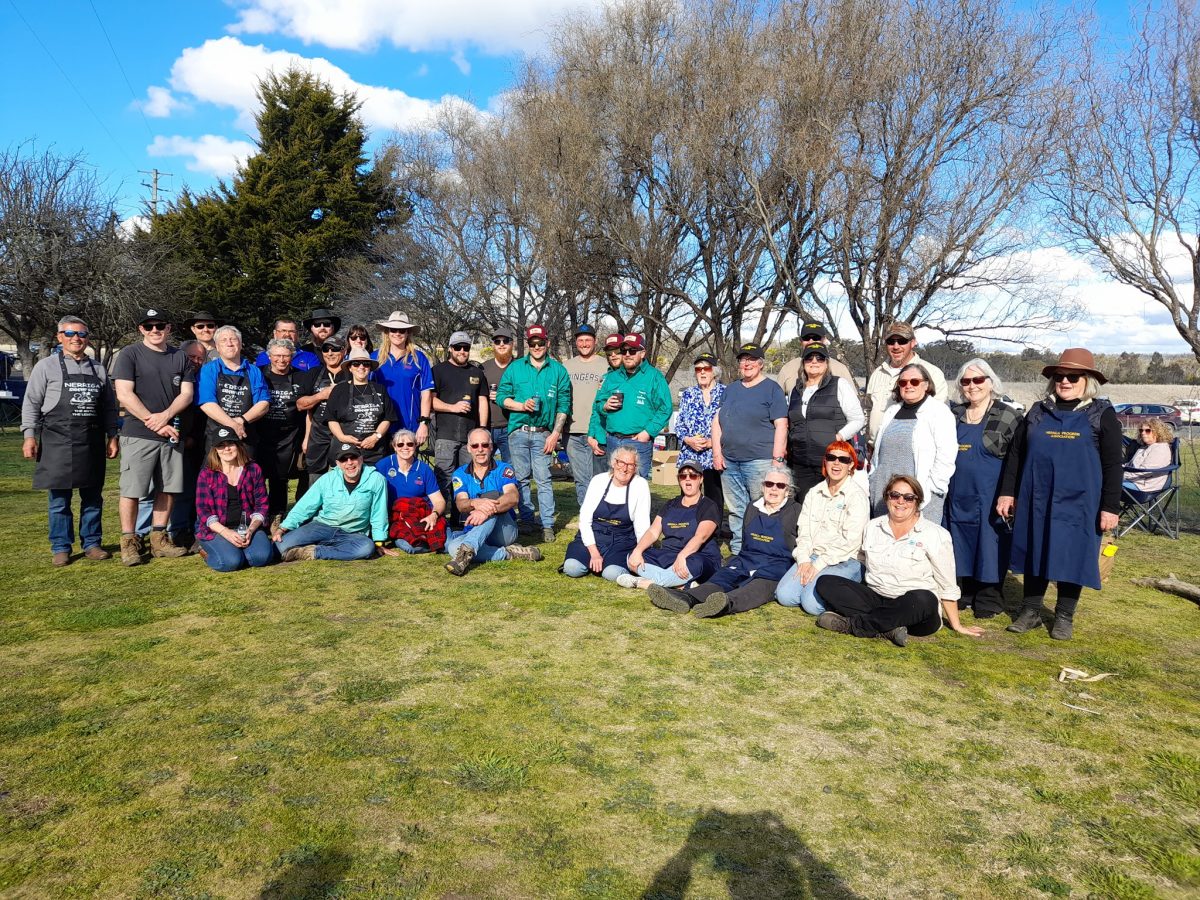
(190, 343)
(623, 451)
(226, 329)
(486, 432)
(70, 320)
(405, 433)
(982, 366)
(279, 343)
(782, 471)
(1091, 388)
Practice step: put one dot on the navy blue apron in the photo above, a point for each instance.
(679, 524)
(612, 530)
(981, 541)
(235, 399)
(71, 446)
(764, 552)
(1056, 534)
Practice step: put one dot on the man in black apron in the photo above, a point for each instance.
(232, 393)
(69, 420)
(282, 428)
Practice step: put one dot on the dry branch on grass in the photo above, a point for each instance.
(1171, 585)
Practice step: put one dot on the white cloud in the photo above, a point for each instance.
(496, 27)
(209, 153)
(460, 61)
(160, 102)
(225, 72)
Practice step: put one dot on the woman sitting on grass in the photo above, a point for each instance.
(614, 517)
(231, 507)
(910, 583)
(415, 504)
(748, 580)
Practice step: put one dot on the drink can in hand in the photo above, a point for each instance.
(619, 396)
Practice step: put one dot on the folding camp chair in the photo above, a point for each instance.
(1153, 511)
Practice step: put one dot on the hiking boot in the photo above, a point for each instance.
(304, 551)
(61, 558)
(131, 550)
(520, 551)
(1028, 620)
(626, 580)
(97, 553)
(462, 560)
(1062, 629)
(162, 547)
(831, 621)
(668, 599)
(898, 636)
(547, 535)
(712, 605)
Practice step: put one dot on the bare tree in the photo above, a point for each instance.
(1128, 195)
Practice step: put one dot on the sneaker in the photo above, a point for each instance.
(1063, 629)
(97, 553)
(162, 547)
(831, 621)
(665, 598)
(304, 551)
(520, 551)
(131, 550)
(898, 636)
(547, 535)
(61, 558)
(627, 580)
(462, 560)
(712, 605)
(1028, 620)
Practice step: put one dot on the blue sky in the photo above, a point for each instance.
(137, 85)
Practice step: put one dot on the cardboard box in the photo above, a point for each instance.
(664, 473)
(666, 456)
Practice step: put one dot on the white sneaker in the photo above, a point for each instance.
(627, 580)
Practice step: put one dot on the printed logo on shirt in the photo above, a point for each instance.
(392, 473)
(762, 538)
(456, 483)
(177, 380)
(641, 398)
(474, 379)
(678, 525)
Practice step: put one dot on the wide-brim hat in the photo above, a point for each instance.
(398, 320)
(322, 313)
(360, 354)
(200, 315)
(1077, 359)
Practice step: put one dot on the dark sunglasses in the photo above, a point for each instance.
(501, 340)
(1063, 376)
(406, 443)
(329, 348)
(204, 326)
(324, 323)
(1146, 430)
(461, 347)
(483, 446)
(896, 495)
(155, 326)
(704, 368)
(360, 363)
(74, 333)
(897, 341)
(819, 357)
(689, 476)
(775, 484)
(813, 338)
(537, 344)
(630, 351)
(909, 382)
(978, 379)
(833, 457)
(397, 330)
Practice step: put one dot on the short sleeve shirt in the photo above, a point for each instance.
(463, 481)
(421, 481)
(747, 418)
(451, 384)
(156, 378)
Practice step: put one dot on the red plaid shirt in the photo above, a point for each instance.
(407, 513)
(211, 496)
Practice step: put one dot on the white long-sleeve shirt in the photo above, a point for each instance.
(830, 528)
(921, 560)
(602, 486)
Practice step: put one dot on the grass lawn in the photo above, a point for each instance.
(382, 729)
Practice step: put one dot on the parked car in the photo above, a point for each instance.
(1189, 411)
(1133, 414)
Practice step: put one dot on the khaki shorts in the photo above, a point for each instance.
(150, 466)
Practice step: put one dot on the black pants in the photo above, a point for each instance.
(871, 614)
(804, 479)
(982, 596)
(713, 490)
(1068, 595)
(754, 593)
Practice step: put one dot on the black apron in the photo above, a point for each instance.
(235, 399)
(319, 437)
(366, 412)
(281, 430)
(71, 450)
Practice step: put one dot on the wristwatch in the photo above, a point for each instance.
(778, 459)
(424, 420)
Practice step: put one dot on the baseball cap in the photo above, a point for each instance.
(636, 341)
(345, 451)
(815, 350)
(535, 331)
(460, 337)
(706, 359)
(226, 436)
(689, 464)
(752, 350)
(585, 328)
(900, 329)
(814, 329)
(614, 341)
(334, 342)
(503, 331)
(154, 314)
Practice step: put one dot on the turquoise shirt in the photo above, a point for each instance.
(647, 404)
(361, 512)
(522, 380)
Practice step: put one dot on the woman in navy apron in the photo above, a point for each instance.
(360, 411)
(614, 517)
(982, 539)
(688, 528)
(1061, 484)
(748, 580)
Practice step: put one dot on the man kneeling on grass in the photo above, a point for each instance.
(343, 515)
(485, 493)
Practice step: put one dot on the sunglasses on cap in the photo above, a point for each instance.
(537, 344)
(896, 341)
(460, 347)
(909, 382)
(775, 484)
(977, 379)
(896, 495)
(155, 326)
(834, 458)
(1072, 377)
(73, 333)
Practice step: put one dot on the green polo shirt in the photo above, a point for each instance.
(522, 380)
(647, 404)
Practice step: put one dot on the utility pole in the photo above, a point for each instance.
(153, 185)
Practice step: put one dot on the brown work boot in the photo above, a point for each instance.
(162, 547)
(131, 550)
(831, 621)
(296, 554)
(462, 560)
(97, 553)
(61, 558)
(519, 551)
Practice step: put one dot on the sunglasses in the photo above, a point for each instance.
(814, 338)
(689, 476)
(1063, 376)
(978, 379)
(501, 340)
(204, 326)
(460, 347)
(909, 382)
(704, 368)
(324, 323)
(483, 446)
(406, 443)
(1146, 430)
(780, 485)
(397, 330)
(74, 333)
(896, 495)
(331, 349)
(360, 364)
(897, 341)
(834, 458)
(816, 357)
(630, 351)
(155, 326)
(537, 344)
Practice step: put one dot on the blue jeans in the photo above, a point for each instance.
(529, 462)
(573, 568)
(790, 592)
(487, 540)
(645, 451)
(665, 577)
(742, 483)
(145, 515)
(62, 526)
(405, 547)
(224, 557)
(500, 443)
(331, 543)
(584, 464)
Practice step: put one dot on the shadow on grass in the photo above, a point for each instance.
(308, 872)
(756, 854)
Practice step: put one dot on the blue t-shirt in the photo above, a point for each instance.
(747, 418)
(206, 381)
(405, 379)
(302, 360)
(464, 482)
(419, 482)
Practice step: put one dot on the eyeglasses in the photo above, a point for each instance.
(324, 323)
(74, 333)
(537, 344)
(1063, 376)
(360, 364)
(460, 347)
(834, 458)
(978, 379)
(406, 443)
(897, 341)
(896, 495)
(704, 368)
(909, 382)
(204, 326)
(501, 340)
(624, 466)
(780, 485)
(689, 476)
(156, 326)
(483, 446)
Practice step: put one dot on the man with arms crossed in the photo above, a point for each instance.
(587, 371)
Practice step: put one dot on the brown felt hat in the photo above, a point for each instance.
(1078, 359)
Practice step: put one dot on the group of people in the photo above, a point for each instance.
(955, 495)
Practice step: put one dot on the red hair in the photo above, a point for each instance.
(845, 447)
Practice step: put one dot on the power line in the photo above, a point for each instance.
(136, 103)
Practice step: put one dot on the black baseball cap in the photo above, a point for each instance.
(345, 451)
(814, 329)
(754, 351)
(154, 314)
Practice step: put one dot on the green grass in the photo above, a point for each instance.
(384, 730)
